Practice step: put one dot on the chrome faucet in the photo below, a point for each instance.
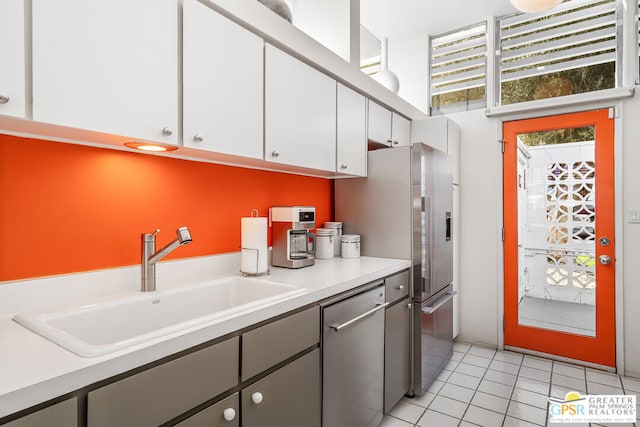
(149, 258)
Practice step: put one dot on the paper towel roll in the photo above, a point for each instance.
(254, 245)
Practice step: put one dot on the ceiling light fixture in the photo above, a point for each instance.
(149, 146)
(533, 6)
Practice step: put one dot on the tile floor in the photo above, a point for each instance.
(484, 387)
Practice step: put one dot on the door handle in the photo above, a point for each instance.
(363, 315)
(443, 301)
(604, 259)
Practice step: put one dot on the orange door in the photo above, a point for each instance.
(559, 241)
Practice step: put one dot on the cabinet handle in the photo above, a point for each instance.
(343, 166)
(395, 142)
(389, 141)
(167, 131)
(4, 98)
(400, 287)
(409, 305)
(229, 414)
(198, 138)
(256, 397)
(275, 153)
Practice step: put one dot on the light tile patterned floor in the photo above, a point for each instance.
(484, 387)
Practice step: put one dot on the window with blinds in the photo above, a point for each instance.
(458, 65)
(572, 48)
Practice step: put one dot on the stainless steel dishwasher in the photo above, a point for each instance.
(353, 359)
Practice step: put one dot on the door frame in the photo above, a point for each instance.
(617, 106)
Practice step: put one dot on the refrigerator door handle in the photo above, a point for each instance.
(443, 301)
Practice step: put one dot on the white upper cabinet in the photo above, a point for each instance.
(108, 66)
(222, 84)
(352, 132)
(379, 124)
(12, 54)
(300, 113)
(386, 127)
(400, 130)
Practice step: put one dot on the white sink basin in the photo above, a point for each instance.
(102, 328)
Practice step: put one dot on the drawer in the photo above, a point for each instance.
(397, 286)
(63, 414)
(157, 395)
(268, 345)
(213, 416)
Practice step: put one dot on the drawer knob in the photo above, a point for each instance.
(400, 287)
(256, 397)
(229, 414)
(167, 131)
(343, 166)
(275, 153)
(4, 98)
(198, 138)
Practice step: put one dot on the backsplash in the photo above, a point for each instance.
(68, 208)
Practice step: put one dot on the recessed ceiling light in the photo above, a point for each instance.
(148, 146)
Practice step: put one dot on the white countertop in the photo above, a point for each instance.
(34, 370)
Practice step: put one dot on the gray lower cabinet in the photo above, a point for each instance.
(397, 349)
(225, 413)
(161, 393)
(289, 396)
(63, 414)
(275, 342)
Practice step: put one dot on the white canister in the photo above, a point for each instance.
(324, 243)
(351, 246)
(336, 226)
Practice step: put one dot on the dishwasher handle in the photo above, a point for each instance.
(379, 307)
(443, 301)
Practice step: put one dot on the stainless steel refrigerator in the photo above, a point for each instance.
(403, 209)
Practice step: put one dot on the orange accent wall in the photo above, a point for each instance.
(69, 208)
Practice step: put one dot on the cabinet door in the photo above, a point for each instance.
(63, 414)
(157, 395)
(222, 84)
(352, 132)
(300, 113)
(225, 413)
(108, 66)
(379, 124)
(288, 397)
(400, 130)
(397, 358)
(12, 52)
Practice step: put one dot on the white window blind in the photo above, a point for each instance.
(458, 63)
(575, 34)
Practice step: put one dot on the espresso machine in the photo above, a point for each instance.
(294, 244)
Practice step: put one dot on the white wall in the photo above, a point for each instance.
(631, 233)
(408, 60)
(480, 227)
(327, 21)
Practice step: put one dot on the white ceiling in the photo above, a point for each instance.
(404, 19)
